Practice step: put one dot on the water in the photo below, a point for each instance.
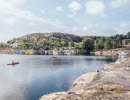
(39, 75)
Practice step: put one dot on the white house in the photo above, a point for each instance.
(76, 43)
(15, 45)
(69, 52)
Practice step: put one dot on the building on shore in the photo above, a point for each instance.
(26, 52)
(66, 51)
(126, 43)
(41, 51)
(55, 52)
(69, 52)
(18, 51)
(6, 51)
(30, 52)
(15, 44)
(48, 52)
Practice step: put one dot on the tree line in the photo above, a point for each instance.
(87, 44)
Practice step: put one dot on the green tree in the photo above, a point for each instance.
(128, 35)
(107, 44)
(100, 44)
(88, 44)
(64, 43)
(71, 44)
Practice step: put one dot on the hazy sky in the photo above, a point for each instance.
(81, 17)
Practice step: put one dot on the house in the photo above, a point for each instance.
(126, 43)
(30, 52)
(68, 52)
(18, 51)
(76, 43)
(60, 52)
(55, 52)
(41, 51)
(15, 45)
(48, 52)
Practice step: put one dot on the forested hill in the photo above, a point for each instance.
(49, 41)
(50, 36)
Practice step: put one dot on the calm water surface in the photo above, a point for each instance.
(39, 75)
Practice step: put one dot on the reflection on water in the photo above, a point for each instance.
(39, 75)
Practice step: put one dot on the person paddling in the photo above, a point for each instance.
(12, 62)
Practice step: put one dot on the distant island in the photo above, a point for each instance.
(62, 43)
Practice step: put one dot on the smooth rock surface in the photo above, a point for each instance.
(106, 85)
(85, 79)
(112, 52)
(54, 96)
(120, 64)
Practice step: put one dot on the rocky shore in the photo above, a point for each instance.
(122, 64)
(111, 84)
(8, 51)
(112, 52)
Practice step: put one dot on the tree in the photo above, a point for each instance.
(11, 41)
(88, 44)
(100, 44)
(64, 43)
(107, 44)
(71, 44)
(128, 35)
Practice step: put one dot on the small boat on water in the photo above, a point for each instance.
(53, 57)
(13, 63)
(55, 52)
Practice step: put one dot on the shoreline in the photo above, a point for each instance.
(110, 84)
(46, 55)
(109, 53)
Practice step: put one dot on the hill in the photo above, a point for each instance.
(46, 40)
(47, 36)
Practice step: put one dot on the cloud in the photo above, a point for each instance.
(16, 17)
(94, 30)
(10, 4)
(26, 15)
(72, 14)
(15, 2)
(10, 21)
(123, 28)
(118, 3)
(59, 8)
(85, 28)
(15, 20)
(43, 12)
(75, 6)
(11, 8)
(95, 7)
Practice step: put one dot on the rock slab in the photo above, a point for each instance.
(113, 84)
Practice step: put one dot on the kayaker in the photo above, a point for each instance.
(12, 62)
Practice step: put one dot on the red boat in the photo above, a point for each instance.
(53, 57)
(13, 63)
(55, 52)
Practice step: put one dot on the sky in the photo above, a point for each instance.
(80, 17)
